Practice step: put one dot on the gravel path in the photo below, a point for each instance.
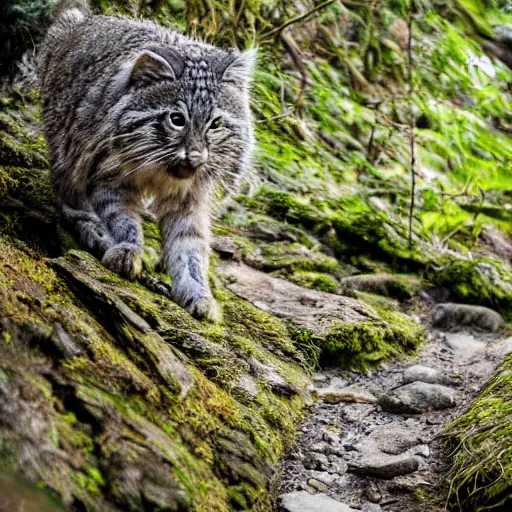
(371, 441)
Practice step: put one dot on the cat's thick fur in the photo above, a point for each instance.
(133, 110)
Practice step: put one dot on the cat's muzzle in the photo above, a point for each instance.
(189, 165)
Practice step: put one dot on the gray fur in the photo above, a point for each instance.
(132, 110)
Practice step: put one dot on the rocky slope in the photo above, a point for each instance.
(113, 398)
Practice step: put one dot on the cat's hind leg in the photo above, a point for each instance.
(91, 230)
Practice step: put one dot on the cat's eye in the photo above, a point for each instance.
(177, 119)
(216, 123)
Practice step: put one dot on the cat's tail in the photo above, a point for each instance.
(66, 15)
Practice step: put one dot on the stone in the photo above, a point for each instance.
(373, 495)
(381, 283)
(464, 344)
(226, 247)
(418, 397)
(247, 386)
(315, 460)
(450, 315)
(384, 466)
(325, 478)
(394, 441)
(310, 309)
(426, 374)
(408, 483)
(302, 501)
(350, 394)
(421, 449)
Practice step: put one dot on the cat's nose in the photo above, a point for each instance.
(197, 157)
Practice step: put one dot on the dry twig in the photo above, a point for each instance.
(297, 19)
(411, 121)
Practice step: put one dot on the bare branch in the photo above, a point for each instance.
(297, 19)
(412, 122)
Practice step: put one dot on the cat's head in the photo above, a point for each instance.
(186, 112)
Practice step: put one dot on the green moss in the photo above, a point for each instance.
(353, 229)
(486, 282)
(284, 206)
(365, 345)
(316, 280)
(478, 443)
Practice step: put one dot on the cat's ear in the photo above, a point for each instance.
(152, 66)
(239, 68)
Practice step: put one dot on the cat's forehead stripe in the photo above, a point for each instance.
(201, 80)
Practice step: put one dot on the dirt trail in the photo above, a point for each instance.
(370, 442)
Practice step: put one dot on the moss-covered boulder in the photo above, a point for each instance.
(348, 333)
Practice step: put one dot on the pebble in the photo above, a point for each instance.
(325, 478)
(373, 495)
(426, 374)
(395, 441)
(316, 461)
(385, 466)
(418, 397)
(302, 501)
(421, 449)
(465, 344)
(408, 484)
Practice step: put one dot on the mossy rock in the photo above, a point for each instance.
(479, 446)
(352, 229)
(366, 345)
(486, 282)
(197, 446)
(347, 333)
(396, 286)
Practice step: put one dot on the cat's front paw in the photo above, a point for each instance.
(124, 259)
(205, 308)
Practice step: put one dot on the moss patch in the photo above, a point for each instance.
(485, 282)
(479, 444)
(365, 345)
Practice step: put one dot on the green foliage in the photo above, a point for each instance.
(22, 24)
